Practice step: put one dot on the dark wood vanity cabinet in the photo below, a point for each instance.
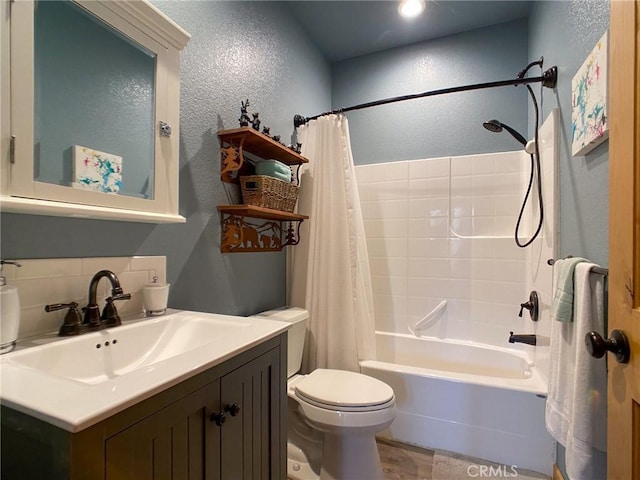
(176, 442)
(226, 423)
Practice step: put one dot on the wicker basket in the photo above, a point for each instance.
(269, 192)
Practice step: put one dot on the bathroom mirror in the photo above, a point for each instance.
(94, 110)
(92, 87)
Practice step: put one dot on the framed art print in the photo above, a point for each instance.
(589, 92)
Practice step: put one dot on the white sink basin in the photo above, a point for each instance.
(101, 356)
(76, 382)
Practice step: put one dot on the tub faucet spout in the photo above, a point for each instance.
(522, 338)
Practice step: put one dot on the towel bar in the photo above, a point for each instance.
(597, 270)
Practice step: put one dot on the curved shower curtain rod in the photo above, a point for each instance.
(548, 78)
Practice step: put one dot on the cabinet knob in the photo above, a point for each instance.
(233, 409)
(617, 344)
(218, 417)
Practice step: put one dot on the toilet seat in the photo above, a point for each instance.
(344, 391)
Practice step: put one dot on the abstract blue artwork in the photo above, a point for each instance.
(96, 171)
(589, 126)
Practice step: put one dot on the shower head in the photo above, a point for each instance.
(496, 127)
(493, 126)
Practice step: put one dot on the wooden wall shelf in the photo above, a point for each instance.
(261, 212)
(260, 144)
(274, 229)
(236, 142)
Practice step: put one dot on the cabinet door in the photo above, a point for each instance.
(251, 439)
(178, 442)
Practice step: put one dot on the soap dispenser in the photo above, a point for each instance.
(9, 311)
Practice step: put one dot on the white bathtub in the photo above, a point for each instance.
(464, 397)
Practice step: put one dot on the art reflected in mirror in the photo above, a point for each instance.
(94, 87)
(96, 171)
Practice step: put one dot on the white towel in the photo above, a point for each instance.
(576, 410)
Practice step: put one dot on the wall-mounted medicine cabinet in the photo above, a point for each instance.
(90, 97)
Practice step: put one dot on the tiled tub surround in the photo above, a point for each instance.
(63, 280)
(442, 229)
(539, 275)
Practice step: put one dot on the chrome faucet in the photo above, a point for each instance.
(109, 318)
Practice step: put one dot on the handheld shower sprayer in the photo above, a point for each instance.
(496, 126)
(531, 148)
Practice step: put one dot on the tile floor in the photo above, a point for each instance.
(407, 462)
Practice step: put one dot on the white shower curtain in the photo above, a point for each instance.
(329, 273)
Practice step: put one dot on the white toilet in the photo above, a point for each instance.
(333, 414)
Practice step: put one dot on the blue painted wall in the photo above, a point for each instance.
(238, 50)
(437, 126)
(565, 33)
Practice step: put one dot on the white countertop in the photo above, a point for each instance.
(75, 405)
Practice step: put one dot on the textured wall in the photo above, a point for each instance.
(238, 50)
(445, 125)
(565, 33)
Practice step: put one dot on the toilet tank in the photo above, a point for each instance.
(297, 332)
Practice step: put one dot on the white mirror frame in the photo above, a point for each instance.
(19, 192)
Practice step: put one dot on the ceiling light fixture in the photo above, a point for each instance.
(411, 8)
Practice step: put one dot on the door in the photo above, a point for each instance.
(623, 434)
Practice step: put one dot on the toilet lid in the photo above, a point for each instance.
(339, 388)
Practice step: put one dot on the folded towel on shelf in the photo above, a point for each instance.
(562, 304)
(274, 168)
(576, 410)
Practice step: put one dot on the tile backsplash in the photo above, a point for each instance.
(63, 280)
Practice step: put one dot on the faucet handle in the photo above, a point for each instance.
(59, 306)
(522, 307)
(531, 305)
(110, 317)
(72, 324)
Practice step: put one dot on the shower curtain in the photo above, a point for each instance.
(329, 268)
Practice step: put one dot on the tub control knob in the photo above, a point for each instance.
(531, 305)
(617, 344)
